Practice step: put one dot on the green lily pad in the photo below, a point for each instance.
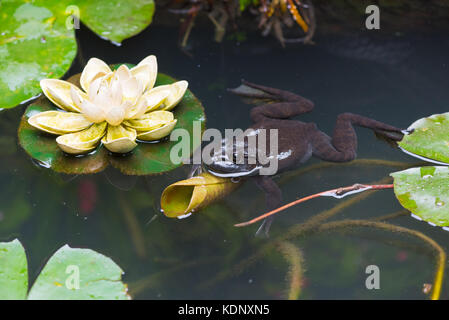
(70, 274)
(425, 192)
(145, 159)
(116, 20)
(13, 271)
(34, 44)
(429, 139)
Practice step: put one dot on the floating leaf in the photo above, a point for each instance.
(13, 271)
(425, 192)
(116, 20)
(34, 44)
(70, 274)
(99, 277)
(429, 139)
(146, 158)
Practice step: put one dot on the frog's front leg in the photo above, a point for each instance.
(273, 198)
(277, 104)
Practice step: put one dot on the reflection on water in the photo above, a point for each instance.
(204, 256)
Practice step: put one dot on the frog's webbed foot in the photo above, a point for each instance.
(273, 197)
(258, 94)
(274, 103)
(390, 137)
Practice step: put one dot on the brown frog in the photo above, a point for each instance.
(297, 140)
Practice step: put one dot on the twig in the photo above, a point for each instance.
(337, 193)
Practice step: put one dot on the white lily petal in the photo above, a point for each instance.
(92, 111)
(91, 71)
(151, 59)
(122, 73)
(150, 101)
(151, 120)
(93, 89)
(131, 89)
(158, 133)
(82, 141)
(59, 122)
(119, 139)
(116, 93)
(115, 115)
(58, 92)
(151, 62)
(177, 91)
(145, 75)
(77, 97)
(103, 99)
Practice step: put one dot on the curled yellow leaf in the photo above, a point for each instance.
(190, 195)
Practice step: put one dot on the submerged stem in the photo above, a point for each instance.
(441, 255)
(133, 226)
(295, 275)
(360, 162)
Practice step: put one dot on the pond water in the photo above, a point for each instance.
(395, 78)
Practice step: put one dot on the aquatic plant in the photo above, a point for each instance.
(38, 38)
(70, 273)
(272, 15)
(116, 107)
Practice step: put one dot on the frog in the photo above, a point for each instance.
(297, 141)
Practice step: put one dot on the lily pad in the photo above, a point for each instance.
(145, 159)
(34, 44)
(116, 20)
(425, 192)
(13, 271)
(429, 139)
(70, 274)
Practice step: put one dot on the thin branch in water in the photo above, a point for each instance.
(294, 231)
(336, 193)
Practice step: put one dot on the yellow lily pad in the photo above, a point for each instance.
(59, 122)
(120, 139)
(151, 120)
(158, 133)
(58, 92)
(83, 141)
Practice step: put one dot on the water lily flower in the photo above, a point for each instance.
(115, 108)
(187, 196)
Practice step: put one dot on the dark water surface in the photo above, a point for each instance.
(392, 78)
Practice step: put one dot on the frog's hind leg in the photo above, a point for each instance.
(342, 146)
(273, 197)
(274, 103)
